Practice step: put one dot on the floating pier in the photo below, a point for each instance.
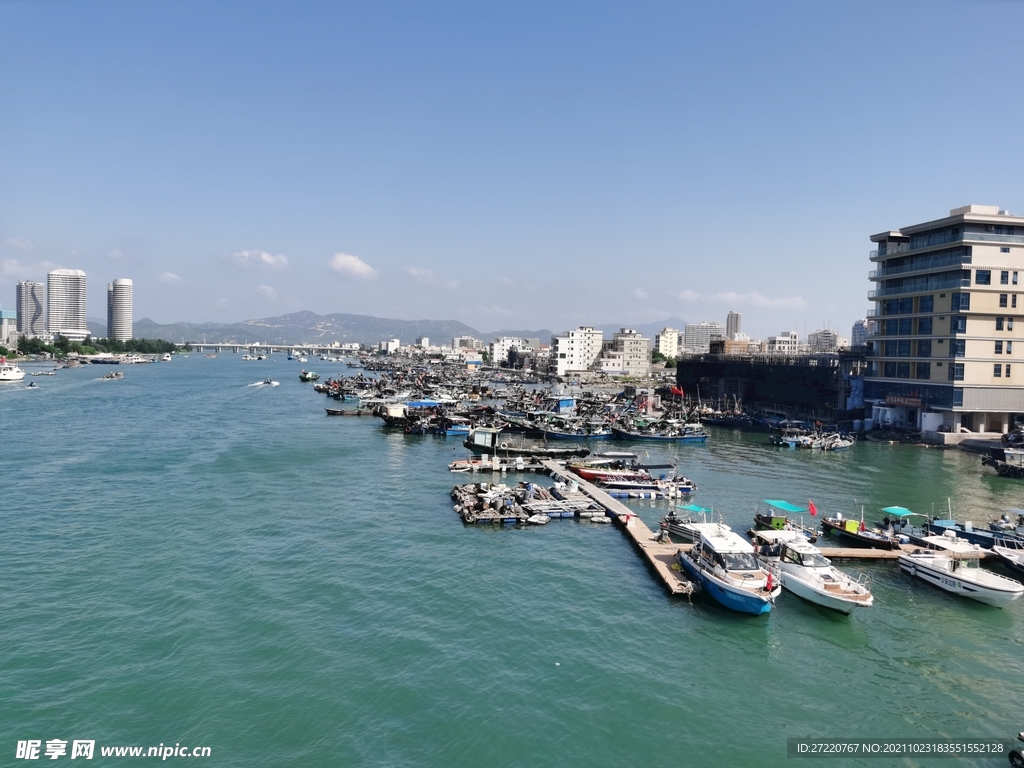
(660, 557)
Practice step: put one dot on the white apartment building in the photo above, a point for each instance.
(423, 342)
(668, 342)
(944, 329)
(31, 309)
(65, 304)
(575, 350)
(859, 335)
(733, 326)
(119, 310)
(826, 341)
(391, 346)
(697, 336)
(501, 346)
(786, 343)
(8, 327)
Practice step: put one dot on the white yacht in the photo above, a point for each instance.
(810, 575)
(166, 358)
(10, 371)
(956, 569)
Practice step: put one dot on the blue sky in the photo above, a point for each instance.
(517, 165)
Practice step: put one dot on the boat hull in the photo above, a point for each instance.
(949, 582)
(859, 538)
(811, 594)
(724, 594)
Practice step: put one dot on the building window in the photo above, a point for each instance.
(999, 347)
(1009, 323)
(957, 347)
(906, 328)
(926, 304)
(983, 277)
(1009, 347)
(889, 370)
(1014, 278)
(892, 307)
(924, 348)
(958, 397)
(924, 326)
(956, 371)
(903, 349)
(1007, 370)
(924, 371)
(1002, 299)
(890, 349)
(1004, 278)
(892, 327)
(960, 301)
(938, 365)
(999, 323)
(997, 370)
(958, 325)
(902, 370)
(907, 306)
(1004, 249)
(1013, 301)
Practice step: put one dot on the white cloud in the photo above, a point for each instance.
(267, 290)
(12, 270)
(347, 265)
(259, 259)
(639, 293)
(427, 277)
(753, 299)
(21, 243)
(169, 278)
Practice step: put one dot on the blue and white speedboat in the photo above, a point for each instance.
(728, 570)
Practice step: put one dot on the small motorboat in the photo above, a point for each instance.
(32, 385)
(729, 570)
(956, 569)
(1011, 554)
(112, 375)
(685, 526)
(271, 383)
(308, 375)
(810, 575)
(538, 520)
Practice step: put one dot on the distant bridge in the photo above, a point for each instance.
(267, 349)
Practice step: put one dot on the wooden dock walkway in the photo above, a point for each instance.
(660, 557)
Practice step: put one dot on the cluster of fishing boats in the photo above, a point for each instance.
(747, 576)
(798, 435)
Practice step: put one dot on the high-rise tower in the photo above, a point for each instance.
(119, 310)
(733, 325)
(65, 303)
(31, 311)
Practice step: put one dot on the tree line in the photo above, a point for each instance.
(62, 346)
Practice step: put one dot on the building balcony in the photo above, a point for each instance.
(925, 266)
(978, 237)
(919, 287)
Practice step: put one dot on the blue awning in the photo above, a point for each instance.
(422, 404)
(785, 506)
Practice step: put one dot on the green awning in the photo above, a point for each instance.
(695, 508)
(785, 506)
(900, 511)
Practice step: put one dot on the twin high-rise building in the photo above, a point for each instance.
(64, 312)
(119, 310)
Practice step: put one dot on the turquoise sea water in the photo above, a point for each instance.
(188, 559)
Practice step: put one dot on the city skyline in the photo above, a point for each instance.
(426, 162)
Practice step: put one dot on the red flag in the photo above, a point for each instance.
(677, 391)
(811, 508)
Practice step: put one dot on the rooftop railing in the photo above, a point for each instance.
(919, 287)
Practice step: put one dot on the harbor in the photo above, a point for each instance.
(278, 526)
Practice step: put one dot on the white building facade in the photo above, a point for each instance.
(859, 334)
(576, 350)
(668, 342)
(65, 304)
(119, 310)
(826, 341)
(697, 336)
(786, 343)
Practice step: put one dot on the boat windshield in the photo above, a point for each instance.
(814, 560)
(739, 561)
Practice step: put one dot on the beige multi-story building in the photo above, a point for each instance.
(628, 352)
(825, 341)
(943, 337)
(668, 342)
(786, 343)
(65, 303)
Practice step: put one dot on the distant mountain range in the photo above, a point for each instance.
(309, 327)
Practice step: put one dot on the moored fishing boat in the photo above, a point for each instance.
(957, 570)
(684, 526)
(1011, 554)
(729, 571)
(10, 371)
(776, 515)
(856, 531)
(305, 375)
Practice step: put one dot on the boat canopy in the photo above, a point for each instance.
(696, 508)
(784, 506)
(900, 511)
(422, 404)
